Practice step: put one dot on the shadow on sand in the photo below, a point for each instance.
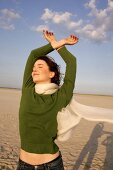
(89, 150)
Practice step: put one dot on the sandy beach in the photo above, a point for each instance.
(89, 148)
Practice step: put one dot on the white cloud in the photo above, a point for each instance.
(89, 32)
(7, 17)
(7, 26)
(60, 18)
(102, 22)
(10, 14)
(56, 17)
(98, 29)
(91, 4)
(47, 14)
(40, 28)
(110, 4)
(73, 25)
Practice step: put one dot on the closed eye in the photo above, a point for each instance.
(39, 67)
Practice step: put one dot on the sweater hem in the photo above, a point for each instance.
(40, 148)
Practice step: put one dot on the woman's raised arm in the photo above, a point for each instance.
(66, 90)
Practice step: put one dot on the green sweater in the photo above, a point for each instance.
(38, 112)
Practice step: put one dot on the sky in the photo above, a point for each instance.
(21, 25)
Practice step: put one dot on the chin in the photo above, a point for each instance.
(35, 81)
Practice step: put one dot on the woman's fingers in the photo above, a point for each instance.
(49, 35)
(73, 36)
(71, 40)
(48, 32)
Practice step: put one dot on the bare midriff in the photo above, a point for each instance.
(37, 159)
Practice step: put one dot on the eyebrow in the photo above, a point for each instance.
(38, 64)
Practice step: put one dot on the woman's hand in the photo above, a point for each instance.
(71, 40)
(49, 36)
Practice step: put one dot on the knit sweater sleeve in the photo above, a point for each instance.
(66, 90)
(44, 50)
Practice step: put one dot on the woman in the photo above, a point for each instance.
(38, 112)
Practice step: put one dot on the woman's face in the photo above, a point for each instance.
(41, 72)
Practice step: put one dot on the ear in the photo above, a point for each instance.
(52, 74)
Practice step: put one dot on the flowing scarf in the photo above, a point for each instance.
(69, 116)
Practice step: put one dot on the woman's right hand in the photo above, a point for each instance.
(71, 40)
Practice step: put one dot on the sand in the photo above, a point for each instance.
(90, 147)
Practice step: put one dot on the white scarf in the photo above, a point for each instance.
(71, 115)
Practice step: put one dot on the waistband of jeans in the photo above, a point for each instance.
(54, 159)
(44, 164)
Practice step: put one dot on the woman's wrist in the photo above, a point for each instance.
(54, 44)
(60, 48)
(58, 44)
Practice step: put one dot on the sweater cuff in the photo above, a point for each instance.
(50, 46)
(62, 50)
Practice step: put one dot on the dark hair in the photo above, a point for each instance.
(52, 67)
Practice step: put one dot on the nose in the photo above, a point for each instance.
(34, 69)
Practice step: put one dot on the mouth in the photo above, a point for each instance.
(35, 74)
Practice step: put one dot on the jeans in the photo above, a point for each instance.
(56, 164)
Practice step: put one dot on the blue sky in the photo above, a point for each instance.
(21, 25)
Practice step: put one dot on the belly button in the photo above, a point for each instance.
(35, 166)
